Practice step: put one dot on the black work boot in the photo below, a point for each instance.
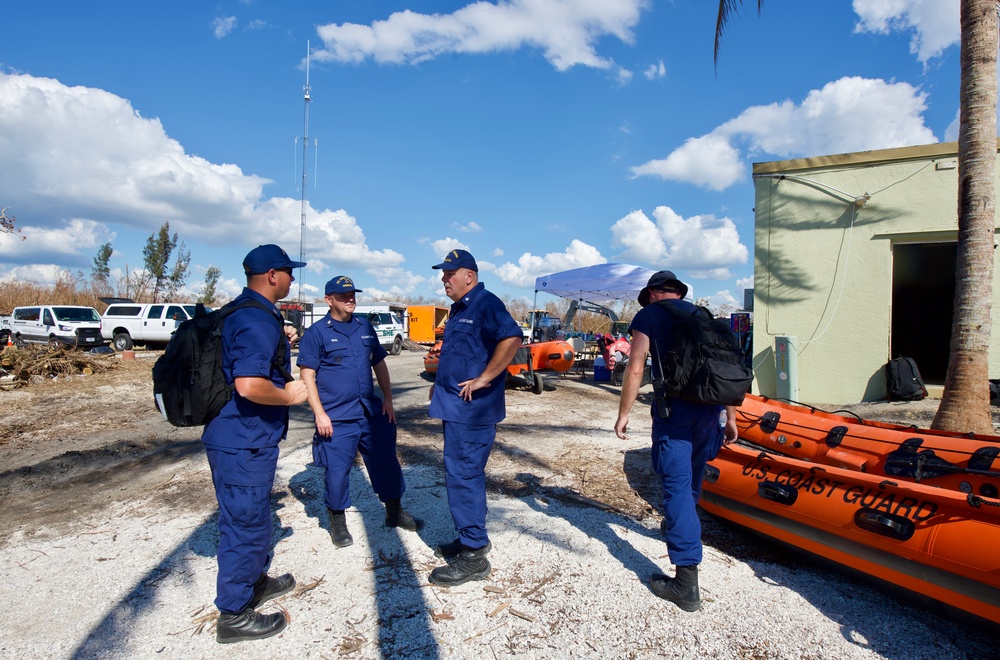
(397, 516)
(338, 529)
(469, 565)
(454, 549)
(681, 590)
(267, 588)
(248, 625)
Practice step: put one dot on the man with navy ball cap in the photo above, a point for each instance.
(337, 355)
(686, 435)
(480, 339)
(242, 447)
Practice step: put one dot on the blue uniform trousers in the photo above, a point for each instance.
(375, 438)
(679, 456)
(467, 448)
(243, 479)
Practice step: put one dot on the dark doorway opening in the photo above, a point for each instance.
(923, 299)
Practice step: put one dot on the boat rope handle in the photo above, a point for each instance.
(754, 420)
(975, 501)
(887, 483)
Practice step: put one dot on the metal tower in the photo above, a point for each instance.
(305, 150)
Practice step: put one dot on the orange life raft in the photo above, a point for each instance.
(936, 542)
(967, 463)
(913, 507)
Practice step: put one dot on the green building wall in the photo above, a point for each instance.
(825, 229)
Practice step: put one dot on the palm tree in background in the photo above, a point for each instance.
(965, 404)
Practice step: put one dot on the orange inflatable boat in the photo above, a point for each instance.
(940, 543)
(965, 463)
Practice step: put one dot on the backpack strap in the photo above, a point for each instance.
(281, 351)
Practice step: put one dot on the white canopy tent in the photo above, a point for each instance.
(598, 284)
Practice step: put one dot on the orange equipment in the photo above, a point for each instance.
(555, 356)
(425, 321)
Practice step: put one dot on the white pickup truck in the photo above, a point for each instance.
(128, 324)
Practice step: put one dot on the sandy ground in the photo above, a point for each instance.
(109, 536)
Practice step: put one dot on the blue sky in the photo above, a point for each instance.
(541, 135)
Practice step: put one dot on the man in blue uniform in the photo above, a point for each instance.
(337, 355)
(479, 341)
(242, 448)
(686, 435)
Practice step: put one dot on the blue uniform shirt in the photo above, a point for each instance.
(657, 324)
(477, 323)
(250, 338)
(342, 353)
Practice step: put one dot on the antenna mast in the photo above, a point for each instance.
(305, 149)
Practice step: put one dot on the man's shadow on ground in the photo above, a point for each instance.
(204, 542)
(403, 614)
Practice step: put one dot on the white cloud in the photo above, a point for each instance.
(567, 31)
(74, 241)
(43, 274)
(934, 23)
(744, 283)
(390, 283)
(443, 246)
(703, 245)
(469, 228)
(709, 161)
(334, 236)
(655, 71)
(577, 255)
(124, 170)
(497, 252)
(850, 114)
(223, 25)
(723, 300)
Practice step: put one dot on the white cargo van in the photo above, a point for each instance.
(69, 325)
(129, 324)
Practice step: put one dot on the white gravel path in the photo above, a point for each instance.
(568, 581)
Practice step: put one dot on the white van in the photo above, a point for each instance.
(67, 325)
(129, 324)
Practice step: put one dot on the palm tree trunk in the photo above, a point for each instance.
(965, 405)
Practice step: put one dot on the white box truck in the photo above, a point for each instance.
(387, 318)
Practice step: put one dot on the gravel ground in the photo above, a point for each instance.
(135, 577)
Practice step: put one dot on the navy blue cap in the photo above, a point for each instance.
(664, 278)
(341, 284)
(457, 259)
(265, 257)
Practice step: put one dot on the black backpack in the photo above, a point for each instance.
(188, 384)
(903, 381)
(703, 363)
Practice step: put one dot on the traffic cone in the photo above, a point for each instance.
(9, 342)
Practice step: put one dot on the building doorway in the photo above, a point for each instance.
(923, 300)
